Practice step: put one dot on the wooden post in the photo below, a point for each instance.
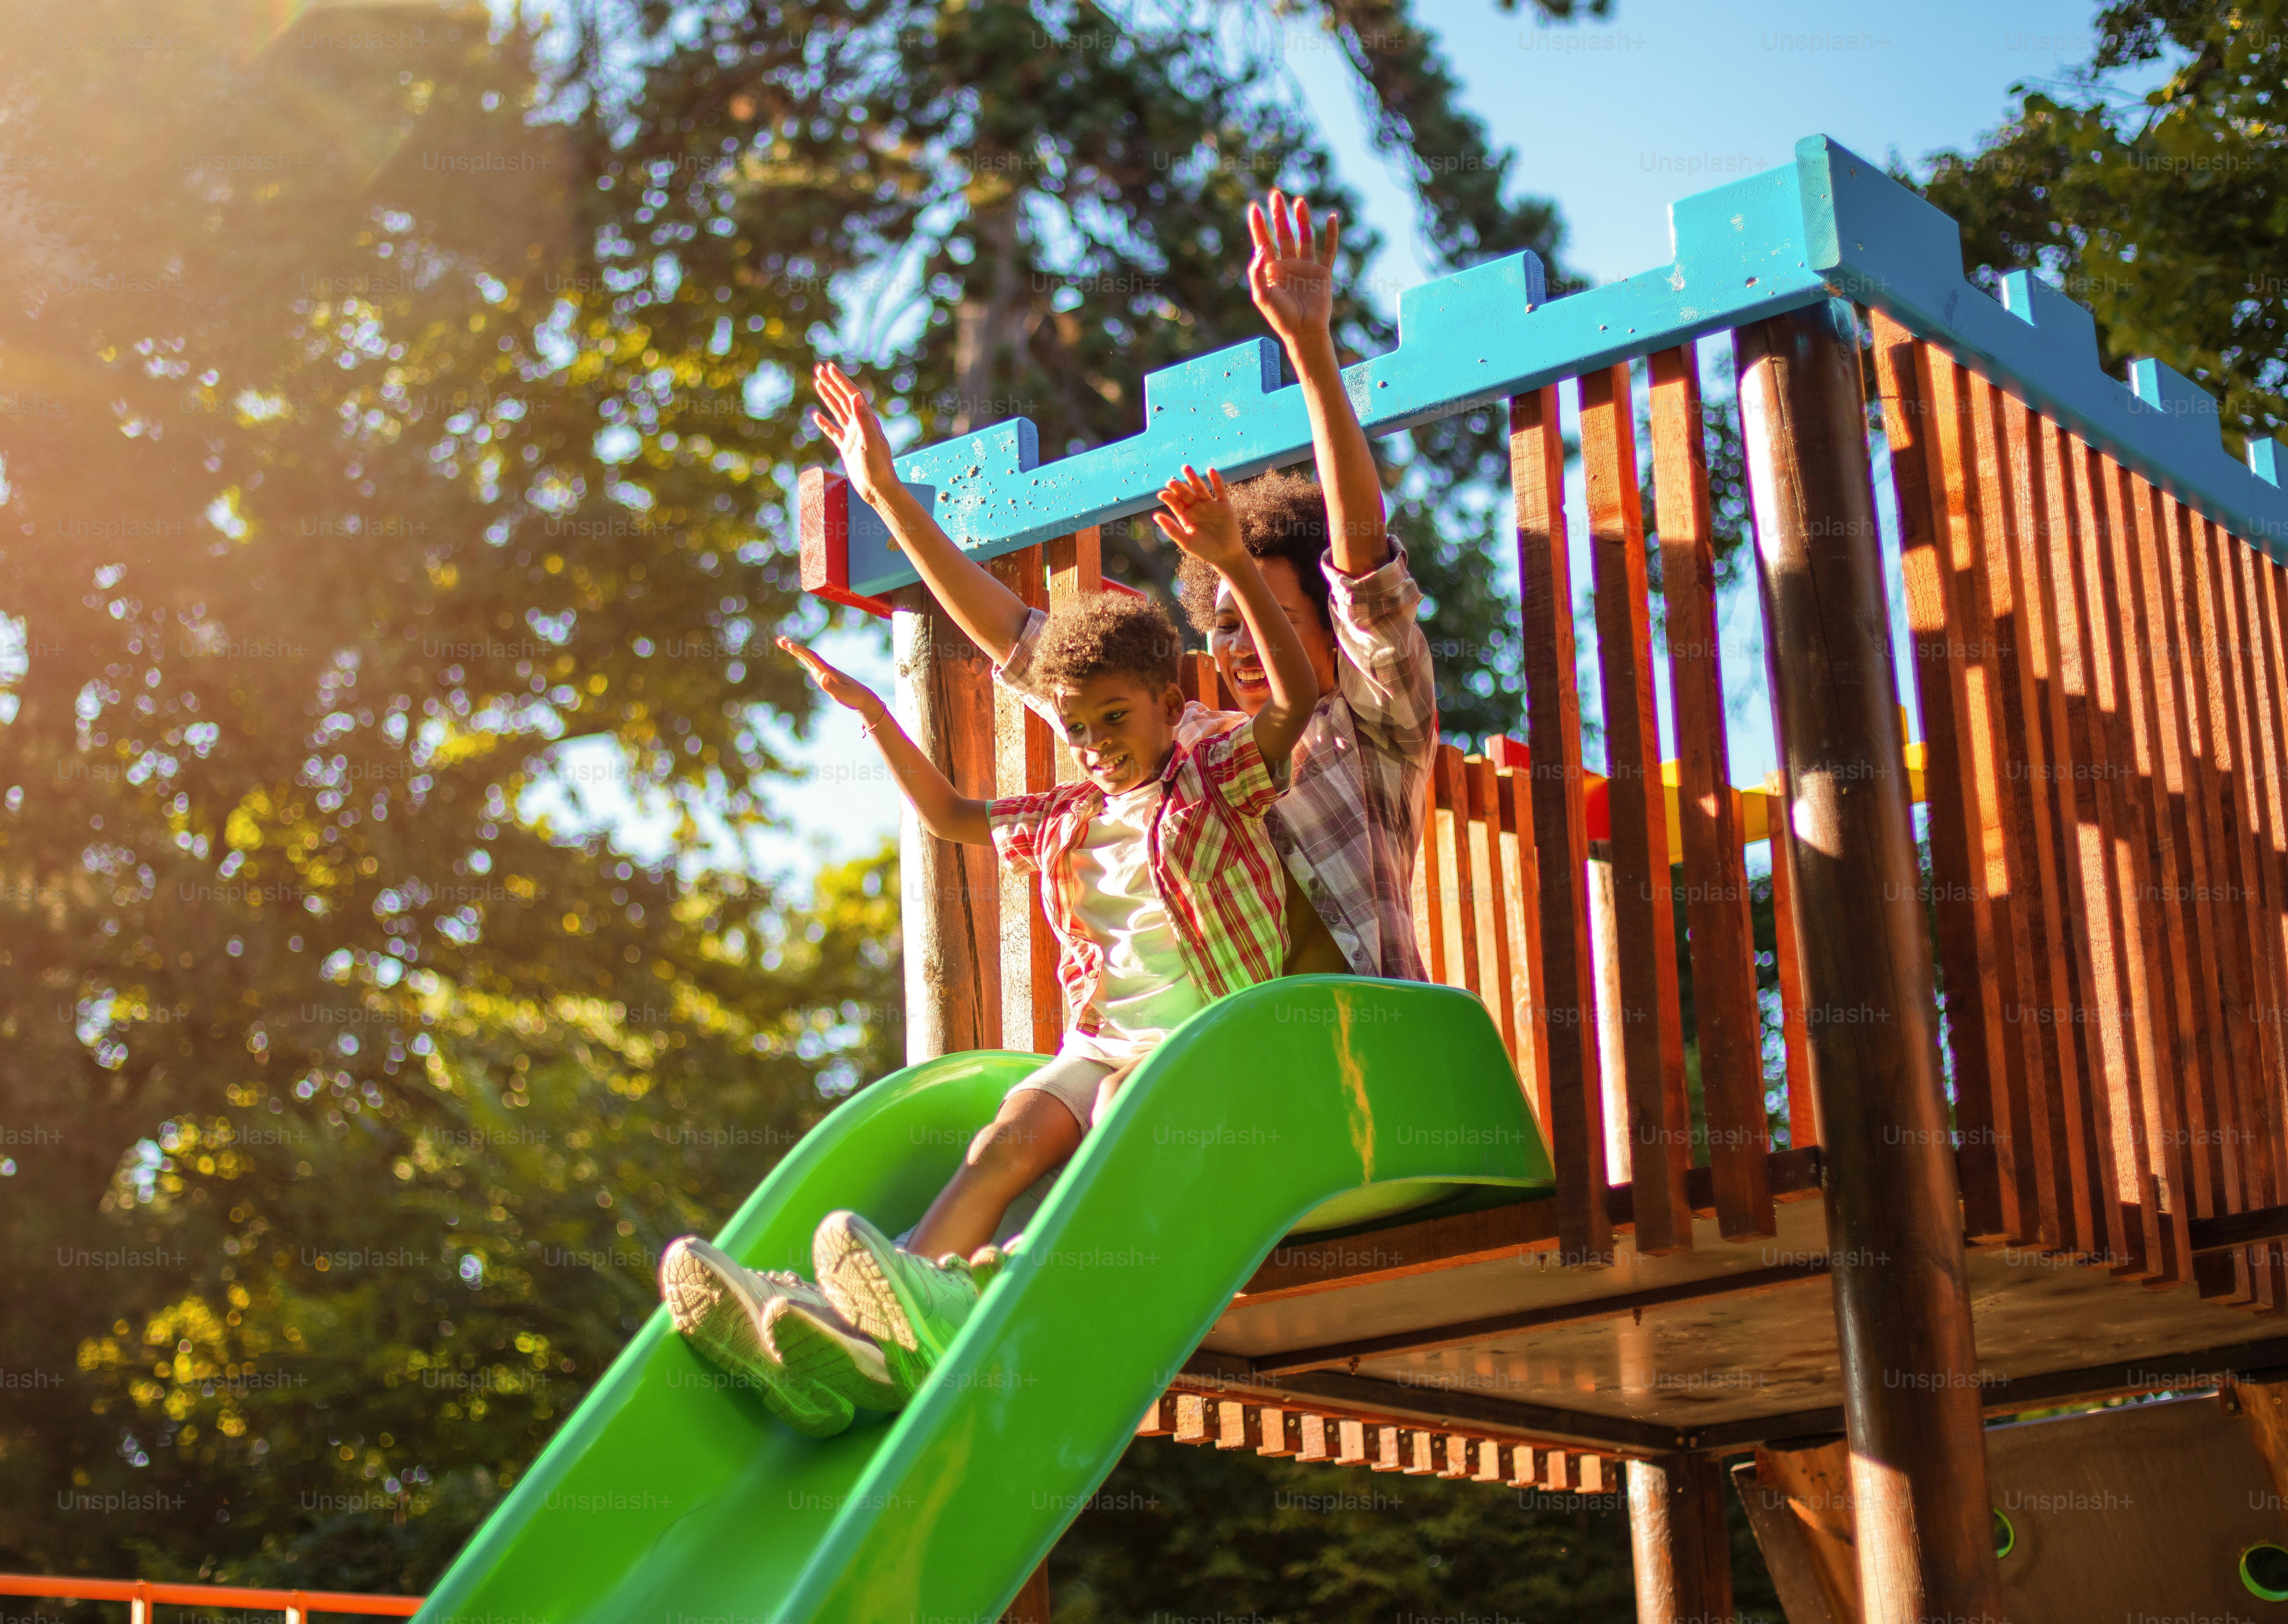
(949, 894)
(1910, 1367)
(1678, 1536)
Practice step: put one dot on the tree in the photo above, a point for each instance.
(2161, 213)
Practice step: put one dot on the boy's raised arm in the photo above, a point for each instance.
(992, 615)
(1292, 279)
(1199, 518)
(944, 810)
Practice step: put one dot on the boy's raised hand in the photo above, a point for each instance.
(1291, 278)
(856, 432)
(1200, 519)
(842, 688)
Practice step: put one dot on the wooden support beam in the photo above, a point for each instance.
(1565, 1019)
(1727, 1021)
(1678, 1536)
(1903, 1303)
(1644, 906)
(1786, 1549)
(949, 894)
(1813, 1479)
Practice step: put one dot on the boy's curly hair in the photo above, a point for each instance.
(1109, 634)
(1282, 515)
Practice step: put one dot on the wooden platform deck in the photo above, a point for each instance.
(1470, 1322)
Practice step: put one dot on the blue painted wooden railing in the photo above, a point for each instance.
(1831, 225)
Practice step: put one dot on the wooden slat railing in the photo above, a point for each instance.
(2100, 673)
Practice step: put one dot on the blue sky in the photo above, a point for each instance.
(1613, 120)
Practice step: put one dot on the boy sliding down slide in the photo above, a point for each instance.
(1159, 880)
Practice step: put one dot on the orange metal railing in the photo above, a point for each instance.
(142, 1595)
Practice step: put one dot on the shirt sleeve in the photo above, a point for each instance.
(1016, 673)
(1384, 671)
(1233, 767)
(1016, 821)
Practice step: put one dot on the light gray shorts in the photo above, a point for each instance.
(1069, 1080)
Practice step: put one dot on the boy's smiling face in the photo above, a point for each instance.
(1120, 730)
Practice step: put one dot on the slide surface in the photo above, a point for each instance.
(669, 1494)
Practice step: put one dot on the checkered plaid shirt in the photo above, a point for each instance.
(1351, 827)
(1211, 859)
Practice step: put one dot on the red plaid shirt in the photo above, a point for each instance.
(1211, 857)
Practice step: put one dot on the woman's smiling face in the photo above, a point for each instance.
(1235, 651)
(1120, 732)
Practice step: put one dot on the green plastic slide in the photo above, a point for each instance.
(670, 1497)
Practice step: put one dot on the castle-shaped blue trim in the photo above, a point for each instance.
(1831, 225)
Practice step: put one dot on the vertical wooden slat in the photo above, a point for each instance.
(1940, 648)
(1715, 864)
(1318, 1440)
(2025, 749)
(1430, 907)
(1644, 915)
(1076, 570)
(1802, 1099)
(2268, 748)
(2215, 598)
(2022, 1109)
(1565, 1014)
(1515, 786)
(2086, 829)
(2175, 1005)
(1280, 1431)
(1452, 798)
(1484, 782)
(2151, 624)
(1523, 1467)
(1025, 751)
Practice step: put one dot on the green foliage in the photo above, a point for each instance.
(2160, 213)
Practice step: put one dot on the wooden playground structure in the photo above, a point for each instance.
(2085, 1197)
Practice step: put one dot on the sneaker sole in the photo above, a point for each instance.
(714, 1318)
(862, 1290)
(815, 1354)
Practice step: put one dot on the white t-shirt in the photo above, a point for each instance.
(1147, 992)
